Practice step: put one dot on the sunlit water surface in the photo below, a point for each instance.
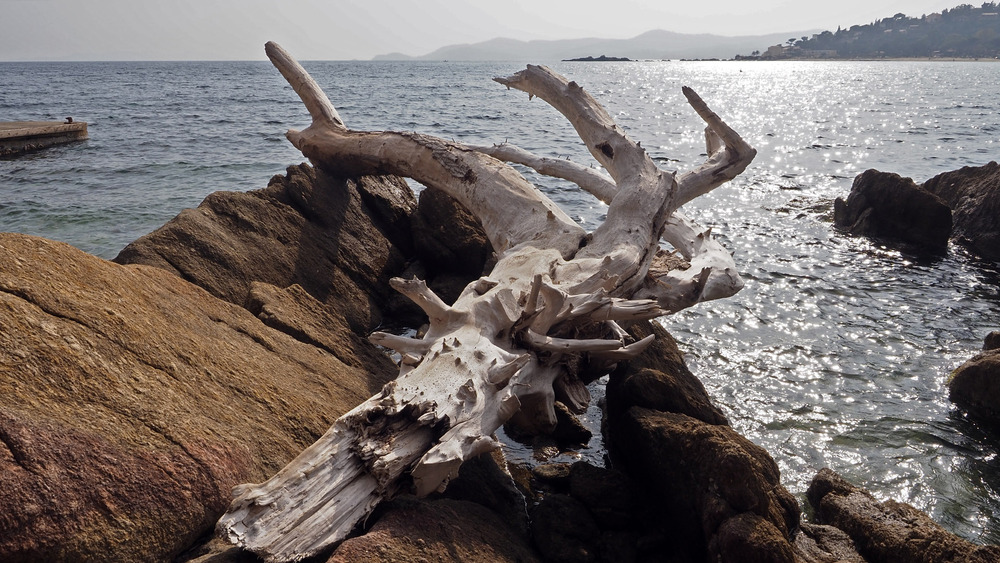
(835, 354)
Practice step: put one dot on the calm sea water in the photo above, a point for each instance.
(834, 355)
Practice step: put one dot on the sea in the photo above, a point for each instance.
(835, 354)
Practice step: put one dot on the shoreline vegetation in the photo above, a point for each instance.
(964, 32)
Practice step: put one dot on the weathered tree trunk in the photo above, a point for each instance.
(506, 347)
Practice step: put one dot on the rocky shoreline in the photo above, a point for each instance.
(136, 393)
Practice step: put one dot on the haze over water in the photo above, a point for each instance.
(834, 355)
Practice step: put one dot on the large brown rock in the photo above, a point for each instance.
(660, 380)
(443, 531)
(992, 341)
(340, 240)
(889, 531)
(131, 401)
(973, 193)
(816, 543)
(565, 531)
(886, 205)
(718, 496)
(448, 238)
(704, 492)
(975, 386)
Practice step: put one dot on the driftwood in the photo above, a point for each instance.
(509, 345)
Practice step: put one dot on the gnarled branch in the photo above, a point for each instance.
(510, 341)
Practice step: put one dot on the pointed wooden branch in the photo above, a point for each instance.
(437, 310)
(729, 154)
(315, 100)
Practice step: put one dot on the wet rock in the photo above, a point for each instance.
(564, 530)
(992, 341)
(132, 401)
(886, 205)
(569, 431)
(889, 531)
(975, 386)
(716, 493)
(556, 474)
(750, 538)
(973, 193)
(816, 543)
(339, 240)
(440, 531)
(606, 493)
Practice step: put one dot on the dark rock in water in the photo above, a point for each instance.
(553, 473)
(889, 531)
(992, 341)
(569, 431)
(444, 530)
(564, 530)
(703, 491)
(973, 193)
(340, 240)
(975, 386)
(886, 205)
(606, 493)
(817, 543)
(716, 492)
(132, 401)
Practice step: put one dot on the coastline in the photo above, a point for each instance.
(872, 59)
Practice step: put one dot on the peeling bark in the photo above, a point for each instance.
(510, 342)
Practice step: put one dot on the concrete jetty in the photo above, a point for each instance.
(21, 136)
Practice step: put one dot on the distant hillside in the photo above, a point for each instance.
(964, 31)
(656, 44)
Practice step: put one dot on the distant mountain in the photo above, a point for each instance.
(657, 44)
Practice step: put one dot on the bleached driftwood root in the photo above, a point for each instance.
(507, 348)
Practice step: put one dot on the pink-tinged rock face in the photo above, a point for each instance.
(131, 402)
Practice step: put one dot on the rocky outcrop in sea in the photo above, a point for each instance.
(973, 194)
(975, 385)
(961, 205)
(888, 206)
(135, 394)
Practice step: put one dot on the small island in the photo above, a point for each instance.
(601, 59)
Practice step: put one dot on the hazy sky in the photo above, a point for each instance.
(360, 29)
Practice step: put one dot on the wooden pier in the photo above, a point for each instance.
(21, 136)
